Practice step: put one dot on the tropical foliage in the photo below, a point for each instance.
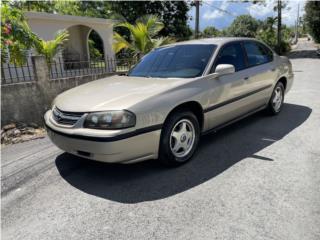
(267, 33)
(100, 9)
(93, 50)
(174, 14)
(16, 36)
(246, 26)
(142, 36)
(312, 19)
(50, 48)
(243, 26)
(211, 32)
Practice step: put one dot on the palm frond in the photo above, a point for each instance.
(157, 42)
(120, 43)
(126, 25)
(142, 35)
(117, 17)
(50, 48)
(152, 22)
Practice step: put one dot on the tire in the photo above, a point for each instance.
(176, 144)
(276, 101)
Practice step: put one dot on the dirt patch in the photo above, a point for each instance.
(18, 132)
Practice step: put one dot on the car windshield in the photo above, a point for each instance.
(179, 61)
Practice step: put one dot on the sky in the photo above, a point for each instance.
(210, 16)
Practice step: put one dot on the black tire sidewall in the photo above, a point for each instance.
(165, 154)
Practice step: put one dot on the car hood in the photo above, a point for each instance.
(113, 93)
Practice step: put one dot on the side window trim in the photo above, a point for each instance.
(213, 66)
(268, 50)
(246, 61)
(258, 43)
(242, 42)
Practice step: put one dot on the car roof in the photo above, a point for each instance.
(215, 41)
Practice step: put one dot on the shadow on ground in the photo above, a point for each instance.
(217, 152)
(303, 54)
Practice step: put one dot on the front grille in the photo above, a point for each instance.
(66, 118)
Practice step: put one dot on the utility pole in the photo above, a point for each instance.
(279, 27)
(297, 26)
(197, 18)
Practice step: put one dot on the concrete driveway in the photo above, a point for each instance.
(257, 179)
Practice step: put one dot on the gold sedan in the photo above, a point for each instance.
(168, 100)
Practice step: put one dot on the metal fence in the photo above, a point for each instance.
(63, 68)
(13, 73)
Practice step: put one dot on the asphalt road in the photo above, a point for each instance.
(257, 179)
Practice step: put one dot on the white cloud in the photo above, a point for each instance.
(289, 15)
(212, 13)
(261, 10)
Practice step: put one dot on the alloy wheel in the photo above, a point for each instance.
(182, 138)
(277, 99)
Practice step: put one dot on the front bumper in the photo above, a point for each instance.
(125, 148)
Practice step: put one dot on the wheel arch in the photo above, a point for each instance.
(283, 80)
(193, 106)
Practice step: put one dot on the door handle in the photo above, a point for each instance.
(246, 78)
(273, 69)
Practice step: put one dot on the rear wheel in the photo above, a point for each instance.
(276, 100)
(179, 138)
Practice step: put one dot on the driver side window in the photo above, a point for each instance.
(231, 54)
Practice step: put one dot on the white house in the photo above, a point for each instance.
(45, 25)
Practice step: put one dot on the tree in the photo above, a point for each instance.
(95, 44)
(243, 26)
(16, 36)
(142, 36)
(211, 32)
(173, 14)
(96, 8)
(312, 19)
(267, 33)
(50, 48)
(278, 6)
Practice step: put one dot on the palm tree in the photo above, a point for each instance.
(50, 48)
(142, 36)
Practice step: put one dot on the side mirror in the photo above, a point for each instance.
(224, 69)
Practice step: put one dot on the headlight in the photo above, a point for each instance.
(110, 120)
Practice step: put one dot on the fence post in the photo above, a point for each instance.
(41, 71)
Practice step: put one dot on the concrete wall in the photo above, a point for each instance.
(27, 102)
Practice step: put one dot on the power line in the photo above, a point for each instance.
(220, 9)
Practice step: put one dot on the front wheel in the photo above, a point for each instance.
(179, 138)
(276, 100)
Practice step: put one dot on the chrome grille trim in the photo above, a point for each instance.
(65, 118)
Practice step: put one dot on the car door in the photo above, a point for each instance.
(227, 99)
(261, 72)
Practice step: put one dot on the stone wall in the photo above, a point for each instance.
(27, 102)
